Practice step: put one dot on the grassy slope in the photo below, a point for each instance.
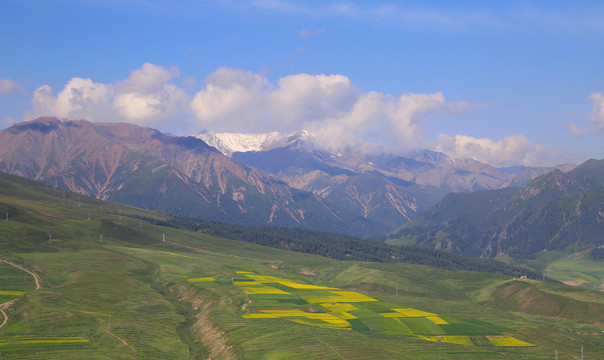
(140, 282)
(571, 268)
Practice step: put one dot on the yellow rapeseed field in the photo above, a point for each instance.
(338, 297)
(42, 340)
(452, 339)
(409, 312)
(202, 279)
(15, 293)
(292, 284)
(263, 290)
(260, 316)
(437, 320)
(507, 341)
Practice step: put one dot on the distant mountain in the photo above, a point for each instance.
(557, 211)
(289, 181)
(279, 154)
(382, 191)
(143, 167)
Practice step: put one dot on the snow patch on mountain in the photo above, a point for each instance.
(228, 143)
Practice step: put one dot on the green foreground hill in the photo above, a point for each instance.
(144, 291)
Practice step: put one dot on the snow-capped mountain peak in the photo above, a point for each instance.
(228, 143)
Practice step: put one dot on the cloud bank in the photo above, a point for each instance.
(330, 106)
(146, 97)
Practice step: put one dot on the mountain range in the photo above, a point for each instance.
(262, 179)
(559, 211)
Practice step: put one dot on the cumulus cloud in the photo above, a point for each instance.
(9, 86)
(232, 100)
(596, 117)
(511, 150)
(80, 98)
(145, 97)
(328, 105)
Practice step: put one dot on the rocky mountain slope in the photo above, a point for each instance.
(143, 167)
(382, 191)
(558, 211)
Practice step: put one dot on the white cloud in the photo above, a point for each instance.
(511, 150)
(9, 86)
(310, 98)
(81, 98)
(328, 105)
(596, 117)
(232, 100)
(145, 97)
(148, 78)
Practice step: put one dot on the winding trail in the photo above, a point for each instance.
(36, 277)
(5, 305)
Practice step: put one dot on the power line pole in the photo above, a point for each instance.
(101, 238)
(109, 323)
(49, 238)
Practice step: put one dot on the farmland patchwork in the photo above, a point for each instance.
(332, 308)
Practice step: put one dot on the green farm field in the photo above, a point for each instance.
(132, 295)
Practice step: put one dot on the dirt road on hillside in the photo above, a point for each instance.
(5, 305)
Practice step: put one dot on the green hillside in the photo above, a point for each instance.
(145, 291)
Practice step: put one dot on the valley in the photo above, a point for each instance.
(129, 294)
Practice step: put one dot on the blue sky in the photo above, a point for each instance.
(504, 82)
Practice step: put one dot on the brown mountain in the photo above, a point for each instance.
(143, 167)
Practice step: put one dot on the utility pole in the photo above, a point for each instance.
(164, 238)
(88, 215)
(397, 291)
(49, 238)
(581, 352)
(101, 238)
(140, 224)
(556, 353)
(109, 323)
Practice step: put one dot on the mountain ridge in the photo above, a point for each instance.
(557, 211)
(143, 167)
